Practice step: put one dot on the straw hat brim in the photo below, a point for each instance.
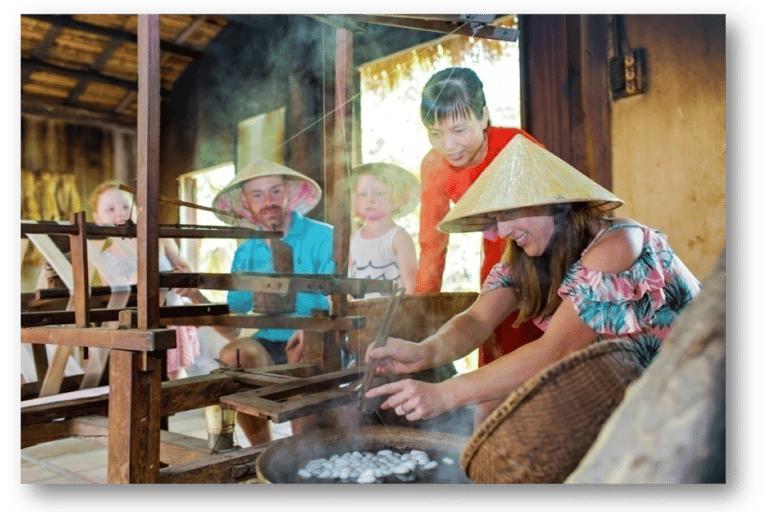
(395, 174)
(303, 192)
(523, 174)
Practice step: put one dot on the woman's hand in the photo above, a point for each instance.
(397, 356)
(413, 399)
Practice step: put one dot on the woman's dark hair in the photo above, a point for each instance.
(535, 280)
(452, 92)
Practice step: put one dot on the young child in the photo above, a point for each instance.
(380, 248)
(110, 205)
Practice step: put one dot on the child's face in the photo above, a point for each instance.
(372, 199)
(113, 207)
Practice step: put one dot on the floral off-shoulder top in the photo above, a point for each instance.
(639, 303)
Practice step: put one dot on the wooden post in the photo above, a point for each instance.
(79, 249)
(135, 377)
(148, 135)
(343, 158)
(134, 418)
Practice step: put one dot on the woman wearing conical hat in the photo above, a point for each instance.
(581, 275)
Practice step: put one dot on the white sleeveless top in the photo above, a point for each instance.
(374, 258)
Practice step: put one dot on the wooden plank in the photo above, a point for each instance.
(39, 318)
(263, 379)
(216, 469)
(30, 390)
(309, 385)
(164, 231)
(279, 412)
(64, 409)
(322, 284)
(198, 317)
(196, 392)
(35, 434)
(145, 340)
(175, 448)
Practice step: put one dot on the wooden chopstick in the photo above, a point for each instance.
(381, 340)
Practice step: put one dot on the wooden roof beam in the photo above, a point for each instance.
(99, 63)
(69, 22)
(37, 64)
(41, 107)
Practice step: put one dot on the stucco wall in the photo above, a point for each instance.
(669, 143)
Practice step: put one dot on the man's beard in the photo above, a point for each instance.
(272, 217)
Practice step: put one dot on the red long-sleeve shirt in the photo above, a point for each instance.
(442, 183)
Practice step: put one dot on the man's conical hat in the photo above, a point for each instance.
(523, 174)
(303, 192)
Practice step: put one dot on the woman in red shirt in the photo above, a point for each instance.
(463, 143)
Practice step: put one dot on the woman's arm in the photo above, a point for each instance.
(434, 243)
(566, 333)
(405, 256)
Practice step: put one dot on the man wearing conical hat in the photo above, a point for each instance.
(272, 197)
(581, 275)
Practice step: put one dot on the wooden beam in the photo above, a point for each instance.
(35, 434)
(93, 116)
(43, 46)
(175, 448)
(175, 316)
(69, 22)
(35, 64)
(129, 98)
(96, 66)
(222, 468)
(164, 231)
(102, 337)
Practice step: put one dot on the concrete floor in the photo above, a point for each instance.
(75, 461)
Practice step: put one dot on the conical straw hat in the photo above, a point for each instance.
(303, 192)
(523, 174)
(387, 173)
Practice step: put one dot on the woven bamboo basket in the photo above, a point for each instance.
(541, 432)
